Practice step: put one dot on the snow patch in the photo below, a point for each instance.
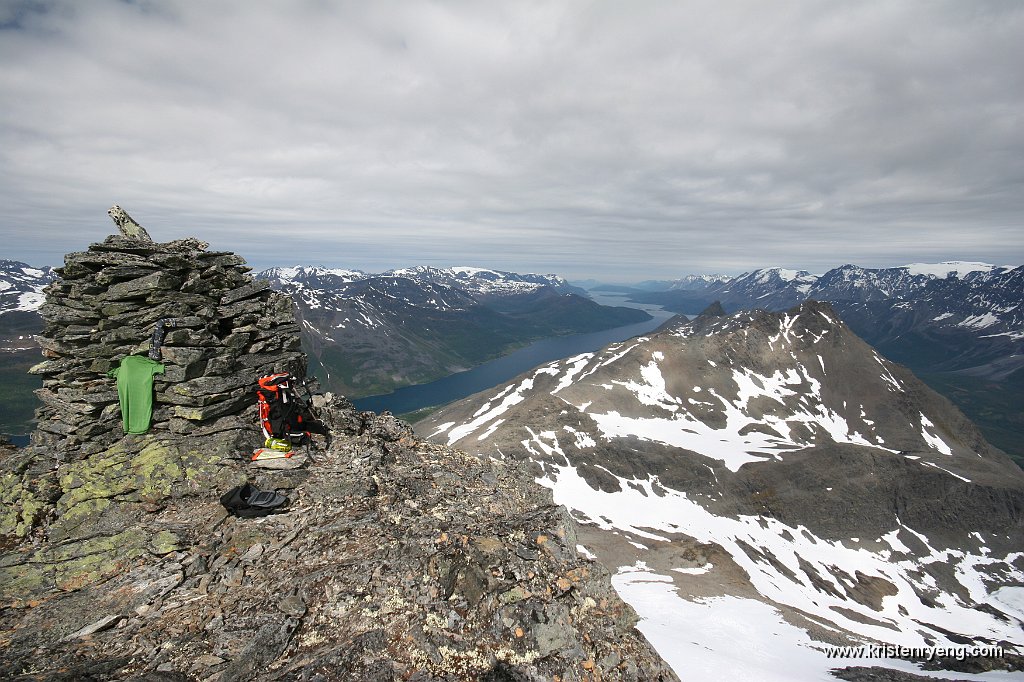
(961, 268)
(721, 637)
(933, 440)
(585, 552)
(761, 545)
(979, 321)
(516, 397)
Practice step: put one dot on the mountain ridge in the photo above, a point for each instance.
(784, 450)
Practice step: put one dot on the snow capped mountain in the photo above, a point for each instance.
(477, 282)
(21, 295)
(484, 282)
(771, 288)
(852, 283)
(779, 288)
(932, 317)
(21, 286)
(312, 274)
(690, 282)
(769, 467)
(687, 283)
(971, 321)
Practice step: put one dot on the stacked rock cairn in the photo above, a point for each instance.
(223, 330)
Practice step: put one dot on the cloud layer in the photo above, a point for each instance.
(618, 140)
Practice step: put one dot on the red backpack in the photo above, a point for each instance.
(283, 413)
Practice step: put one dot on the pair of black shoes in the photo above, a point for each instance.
(248, 502)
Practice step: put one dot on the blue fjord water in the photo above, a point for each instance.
(490, 374)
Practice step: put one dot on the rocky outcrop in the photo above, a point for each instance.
(397, 559)
(394, 559)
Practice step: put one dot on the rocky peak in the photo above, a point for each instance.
(713, 310)
(394, 559)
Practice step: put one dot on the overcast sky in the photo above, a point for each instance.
(620, 140)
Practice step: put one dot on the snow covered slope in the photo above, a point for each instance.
(21, 286)
(770, 464)
(958, 325)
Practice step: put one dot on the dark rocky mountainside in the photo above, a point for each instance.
(369, 334)
(777, 457)
(395, 559)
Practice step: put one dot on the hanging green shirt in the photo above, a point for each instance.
(135, 391)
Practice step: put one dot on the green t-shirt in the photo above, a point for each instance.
(135, 391)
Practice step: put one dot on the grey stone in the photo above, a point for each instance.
(245, 291)
(138, 288)
(98, 626)
(126, 225)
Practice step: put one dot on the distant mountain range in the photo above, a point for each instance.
(770, 464)
(689, 282)
(946, 316)
(371, 333)
(779, 288)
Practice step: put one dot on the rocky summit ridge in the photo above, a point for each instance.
(395, 559)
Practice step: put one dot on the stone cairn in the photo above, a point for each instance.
(223, 330)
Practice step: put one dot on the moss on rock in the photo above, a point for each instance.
(19, 506)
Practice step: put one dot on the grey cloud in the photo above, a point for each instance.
(631, 141)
